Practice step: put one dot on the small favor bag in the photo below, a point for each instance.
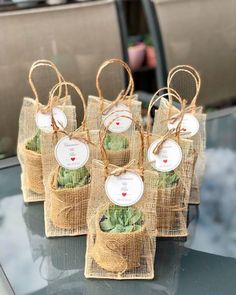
(101, 112)
(121, 220)
(193, 124)
(170, 164)
(34, 121)
(69, 157)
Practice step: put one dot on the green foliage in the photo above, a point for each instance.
(33, 144)
(121, 219)
(72, 178)
(166, 179)
(115, 142)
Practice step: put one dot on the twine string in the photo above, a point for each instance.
(129, 90)
(45, 63)
(193, 73)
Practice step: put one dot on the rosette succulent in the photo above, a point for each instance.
(73, 178)
(115, 142)
(33, 144)
(121, 219)
(166, 179)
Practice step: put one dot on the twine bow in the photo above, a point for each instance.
(126, 168)
(159, 145)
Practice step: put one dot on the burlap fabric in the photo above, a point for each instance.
(199, 139)
(97, 106)
(172, 201)
(119, 255)
(171, 198)
(65, 208)
(31, 162)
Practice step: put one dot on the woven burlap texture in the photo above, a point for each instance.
(199, 142)
(65, 209)
(123, 255)
(31, 162)
(186, 80)
(171, 202)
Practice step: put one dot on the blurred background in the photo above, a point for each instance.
(151, 35)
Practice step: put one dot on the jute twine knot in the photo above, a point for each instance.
(126, 168)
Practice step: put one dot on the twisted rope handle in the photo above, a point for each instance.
(155, 98)
(45, 63)
(122, 95)
(78, 91)
(193, 73)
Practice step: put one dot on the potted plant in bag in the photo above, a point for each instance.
(117, 148)
(119, 237)
(31, 152)
(69, 197)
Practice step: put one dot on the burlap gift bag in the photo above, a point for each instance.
(126, 248)
(30, 136)
(101, 111)
(169, 185)
(183, 75)
(67, 189)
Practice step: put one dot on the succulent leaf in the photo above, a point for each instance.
(73, 178)
(121, 219)
(34, 144)
(115, 142)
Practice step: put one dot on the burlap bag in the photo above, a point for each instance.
(65, 208)
(31, 161)
(97, 106)
(166, 110)
(171, 199)
(119, 255)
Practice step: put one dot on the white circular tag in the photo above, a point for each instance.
(71, 153)
(44, 122)
(189, 126)
(120, 124)
(168, 158)
(125, 189)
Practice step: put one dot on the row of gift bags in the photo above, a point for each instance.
(109, 178)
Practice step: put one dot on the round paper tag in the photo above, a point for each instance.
(168, 158)
(120, 124)
(71, 153)
(125, 189)
(189, 126)
(44, 122)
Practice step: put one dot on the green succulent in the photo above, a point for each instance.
(33, 144)
(115, 142)
(72, 178)
(166, 179)
(121, 219)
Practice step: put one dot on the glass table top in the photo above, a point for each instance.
(205, 263)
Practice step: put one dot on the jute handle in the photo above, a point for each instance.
(45, 63)
(78, 91)
(155, 98)
(129, 90)
(141, 154)
(193, 73)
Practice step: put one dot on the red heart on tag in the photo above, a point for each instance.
(184, 129)
(124, 194)
(165, 161)
(72, 158)
(117, 123)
